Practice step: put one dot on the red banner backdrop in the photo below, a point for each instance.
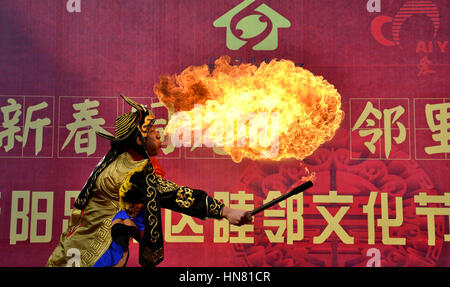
(381, 195)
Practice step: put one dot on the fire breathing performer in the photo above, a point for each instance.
(123, 197)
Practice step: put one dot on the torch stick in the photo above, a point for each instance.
(295, 191)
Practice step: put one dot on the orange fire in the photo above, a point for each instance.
(275, 110)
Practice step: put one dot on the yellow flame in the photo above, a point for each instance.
(308, 108)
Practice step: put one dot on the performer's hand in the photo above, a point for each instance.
(237, 216)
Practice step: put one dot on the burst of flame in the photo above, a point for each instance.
(308, 108)
(309, 176)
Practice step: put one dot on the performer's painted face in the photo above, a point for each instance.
(152, 138)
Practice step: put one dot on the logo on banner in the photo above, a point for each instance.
(261, 26)
(408, 10)
(386, 30)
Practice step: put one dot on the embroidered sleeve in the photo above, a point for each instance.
(193, 202)
(157, 192)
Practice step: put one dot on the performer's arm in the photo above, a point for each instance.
(197, 203)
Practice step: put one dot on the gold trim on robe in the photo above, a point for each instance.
(89, 229)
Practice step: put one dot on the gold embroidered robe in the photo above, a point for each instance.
(89, 230)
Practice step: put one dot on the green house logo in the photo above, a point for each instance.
(252, 27)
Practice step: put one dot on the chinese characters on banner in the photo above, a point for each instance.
(384, 123)
(432, 136)
(384, 129)
(27, 127)
(283, 224)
